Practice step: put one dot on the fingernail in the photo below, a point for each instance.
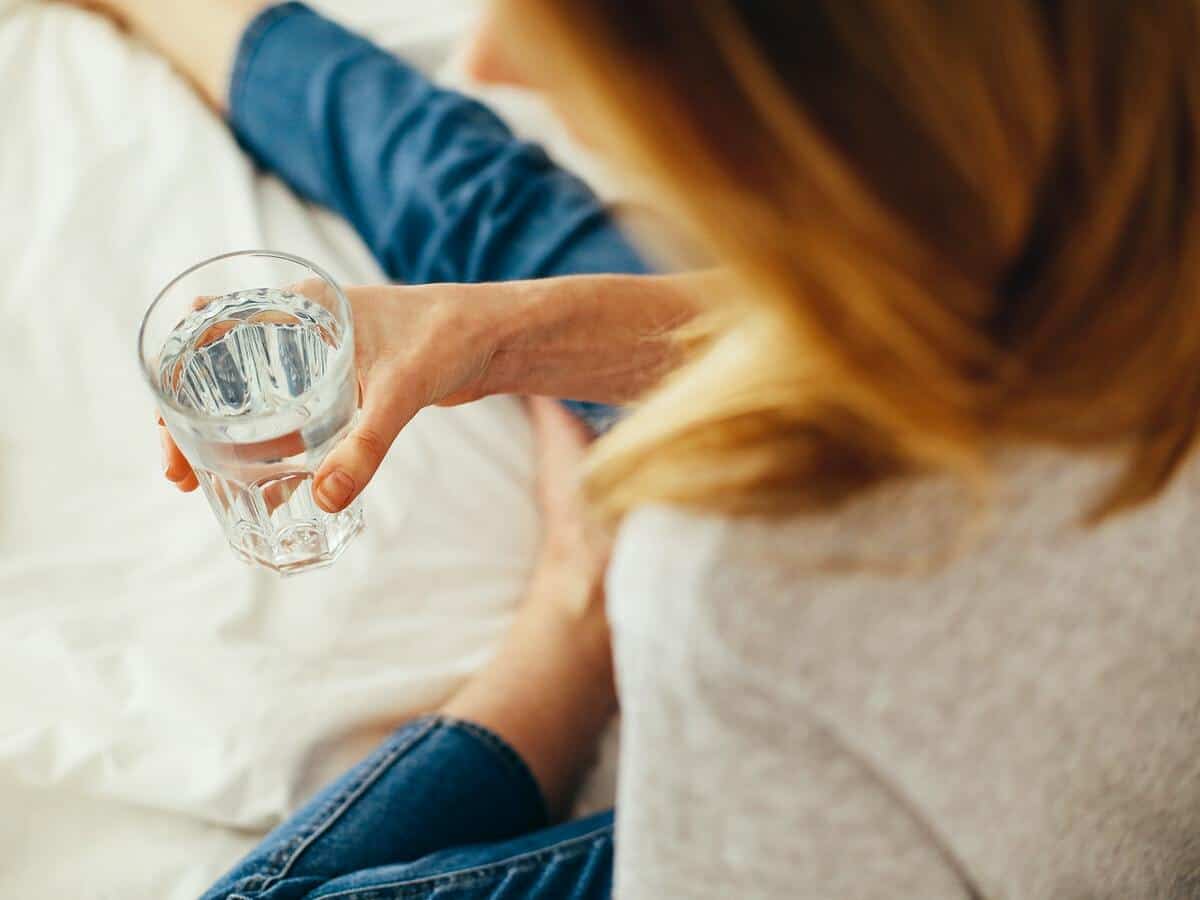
(335, 489)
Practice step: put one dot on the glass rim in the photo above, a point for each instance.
(340, 354)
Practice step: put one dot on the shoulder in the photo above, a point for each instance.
(906, 528)
(687, 552)
(914, 565)
(672, 552)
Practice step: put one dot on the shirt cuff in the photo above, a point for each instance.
(252, 41)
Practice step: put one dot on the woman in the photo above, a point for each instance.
(901, 593)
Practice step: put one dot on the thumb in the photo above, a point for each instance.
(356, 459)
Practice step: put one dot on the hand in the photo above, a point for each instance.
(574, 550)
(549, 691)
(604, 338)
(414, 347)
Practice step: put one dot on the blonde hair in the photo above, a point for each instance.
(949, 225)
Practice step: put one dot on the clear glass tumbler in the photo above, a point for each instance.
(251, 358)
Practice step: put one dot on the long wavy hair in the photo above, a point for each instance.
(949, 225)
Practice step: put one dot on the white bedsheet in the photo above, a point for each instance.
(161, 704)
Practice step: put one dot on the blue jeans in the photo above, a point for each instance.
(443, 809)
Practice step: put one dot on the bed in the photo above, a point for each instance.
(161, 704)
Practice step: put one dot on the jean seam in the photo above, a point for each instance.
(282, 860)
(521, 862)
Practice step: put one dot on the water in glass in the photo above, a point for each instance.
(258, 360)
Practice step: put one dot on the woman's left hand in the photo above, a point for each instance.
(574, 553)
(549, 691)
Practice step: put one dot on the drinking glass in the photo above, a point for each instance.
(251, 358)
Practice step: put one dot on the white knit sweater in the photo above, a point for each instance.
(1021, 721)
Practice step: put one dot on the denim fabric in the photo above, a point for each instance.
(443, 809)
(437, 186)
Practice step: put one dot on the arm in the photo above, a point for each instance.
(600, 338)
(434, 182)
(441, 191)
(200, 38)
(604, 338)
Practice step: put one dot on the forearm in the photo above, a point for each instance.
(549, 692)
(603, 338)
(201, 39)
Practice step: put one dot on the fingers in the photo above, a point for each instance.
(562, 438)
(318, 291)
(249, 453)
(562, 442)
(354, 461)
(572, 544)
(175, 465)
(485, 61)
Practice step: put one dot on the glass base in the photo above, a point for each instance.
(276, 524)
(301, 549)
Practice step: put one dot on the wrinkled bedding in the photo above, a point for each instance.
(161, 704)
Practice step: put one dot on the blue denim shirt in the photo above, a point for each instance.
(435, 183)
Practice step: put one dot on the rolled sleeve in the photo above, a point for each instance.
(435, 183)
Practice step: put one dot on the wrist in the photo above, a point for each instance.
(600, 338)
(510, 329)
